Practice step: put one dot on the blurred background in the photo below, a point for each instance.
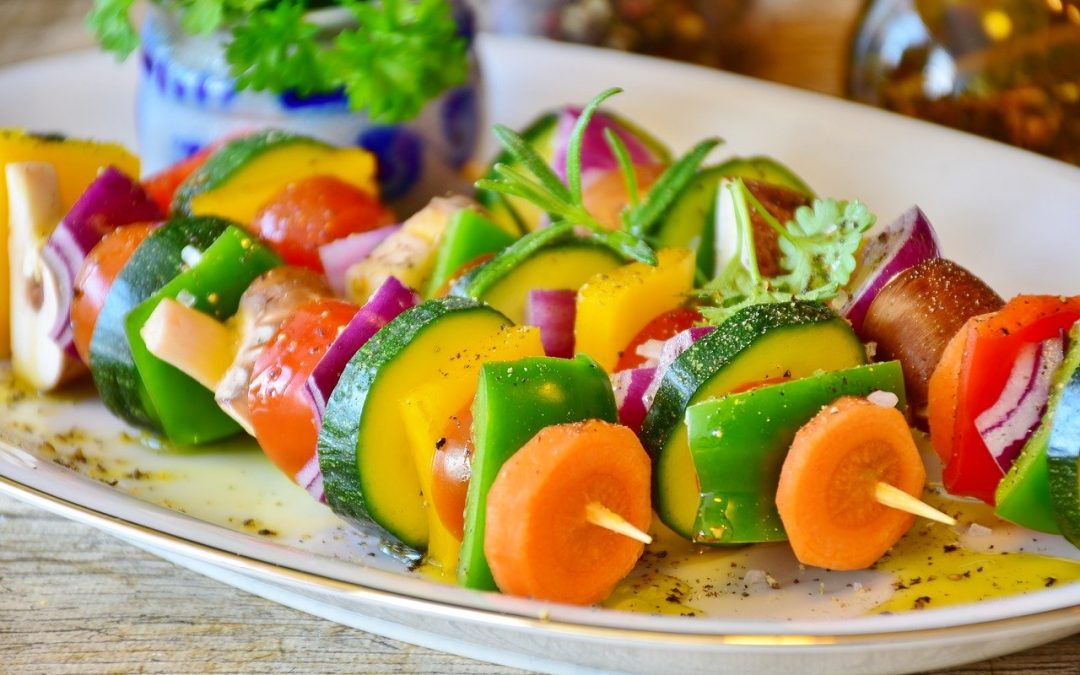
(1006, 69)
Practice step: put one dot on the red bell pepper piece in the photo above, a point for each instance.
(993, 346)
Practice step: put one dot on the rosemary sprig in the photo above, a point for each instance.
(534, 181)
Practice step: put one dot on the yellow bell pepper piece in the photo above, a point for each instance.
(77, 164)
(428, 409)
(614, 306)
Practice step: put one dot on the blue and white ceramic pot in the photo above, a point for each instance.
(187, 100)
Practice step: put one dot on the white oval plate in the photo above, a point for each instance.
(1011, 216)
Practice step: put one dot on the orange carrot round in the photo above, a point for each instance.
(826, 494)
(538, 541)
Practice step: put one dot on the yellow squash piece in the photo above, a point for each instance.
(77, 164)
(614, 306)
(242, 196)
(408, 254)
(428, 409)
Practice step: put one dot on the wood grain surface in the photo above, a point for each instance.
(73, 600)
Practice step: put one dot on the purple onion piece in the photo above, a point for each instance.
(908, 241)
(110, 201)
(391, 299)
(339, 255)
(595, 153)
(1006, 425)
(310, 477)
(553, 313)
(671, 350)
(630, 387)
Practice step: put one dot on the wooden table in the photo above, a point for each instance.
(73, 600)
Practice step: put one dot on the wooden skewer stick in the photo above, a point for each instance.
(896, 498)
(601, 516)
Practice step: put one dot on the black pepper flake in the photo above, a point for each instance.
(949, 548)
(921, 602)
(1049, 581)
(267, 533)
(440, 443)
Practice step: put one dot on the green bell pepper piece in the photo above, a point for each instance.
(187, 410)
(1023, 495)
(514, 401)
(468, 236)
(739, 443)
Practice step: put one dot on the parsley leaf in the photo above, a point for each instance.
(398, 55)
(404, 53)
(818, 248)
(109, 21)
(277, 49)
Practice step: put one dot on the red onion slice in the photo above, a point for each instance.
(1006, 425)
(111, 200)
(908, 241)
(630, 387)
(553, 313)
(339, 255)
(675, 346)
(595, 153)
(311, 479)
(391, 299)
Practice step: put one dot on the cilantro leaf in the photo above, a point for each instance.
(110, 22)
(818, 248)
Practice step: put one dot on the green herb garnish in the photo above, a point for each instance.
(818, 248)
(564, 203)
(399, 54)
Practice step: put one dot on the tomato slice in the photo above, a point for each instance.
(105, 262)
(992, 348)
(314, 211)
(451, 470)
(282, 413)
(663, 327)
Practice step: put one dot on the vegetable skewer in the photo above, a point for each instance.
(601, 516)
(893, 497)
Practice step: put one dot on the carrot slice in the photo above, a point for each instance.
(826, 494)
(944, 387)
(538, 541)
(105, 262)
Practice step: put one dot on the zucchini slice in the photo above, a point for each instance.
(366, 459)
(156, 262)
(760, 342)
(550, 259)
(244, 174)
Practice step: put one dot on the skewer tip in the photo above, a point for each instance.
(601, 516)
(894, 497)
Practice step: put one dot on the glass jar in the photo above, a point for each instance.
(187, 100)
(1006, 69)
(700, 31)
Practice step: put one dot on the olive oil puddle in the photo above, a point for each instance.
(937, 566)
